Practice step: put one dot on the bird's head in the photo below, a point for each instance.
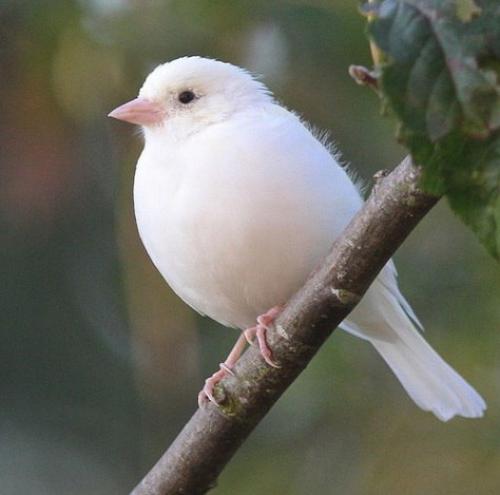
(190, 93)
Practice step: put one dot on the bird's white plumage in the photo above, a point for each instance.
(237, 202)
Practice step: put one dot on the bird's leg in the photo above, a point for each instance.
(259, 331)
(264, 322)
(226, 368)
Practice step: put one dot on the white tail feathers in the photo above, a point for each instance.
(429, 380)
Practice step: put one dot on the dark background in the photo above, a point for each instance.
(100, 363)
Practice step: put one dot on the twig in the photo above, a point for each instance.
(208, 441)
(364, 76)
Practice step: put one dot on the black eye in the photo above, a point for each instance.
(186, 97)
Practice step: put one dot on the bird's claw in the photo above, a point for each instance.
(226, 368)
(259, 333)
(207, 393)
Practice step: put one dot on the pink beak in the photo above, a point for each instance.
(139, 111)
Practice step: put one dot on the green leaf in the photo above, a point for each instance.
(440, 78)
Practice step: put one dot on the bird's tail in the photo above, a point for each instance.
(429, 380)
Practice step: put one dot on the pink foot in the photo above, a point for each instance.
(207, 392)
(259, 331)
(226, 367)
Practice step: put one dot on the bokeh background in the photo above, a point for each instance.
(100, 363)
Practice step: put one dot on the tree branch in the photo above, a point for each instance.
(208, 441)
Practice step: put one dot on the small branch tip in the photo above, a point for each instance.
(364, 76)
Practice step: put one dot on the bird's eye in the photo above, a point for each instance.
(186, 97)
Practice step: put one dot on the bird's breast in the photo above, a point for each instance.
(234, 238)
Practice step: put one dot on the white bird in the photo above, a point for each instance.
(236, 201)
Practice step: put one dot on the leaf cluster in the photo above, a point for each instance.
(439, 69)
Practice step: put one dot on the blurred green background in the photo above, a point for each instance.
(100, 364)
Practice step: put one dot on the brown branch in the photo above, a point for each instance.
(208, 441)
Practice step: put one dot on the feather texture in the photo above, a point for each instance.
(237, 202)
